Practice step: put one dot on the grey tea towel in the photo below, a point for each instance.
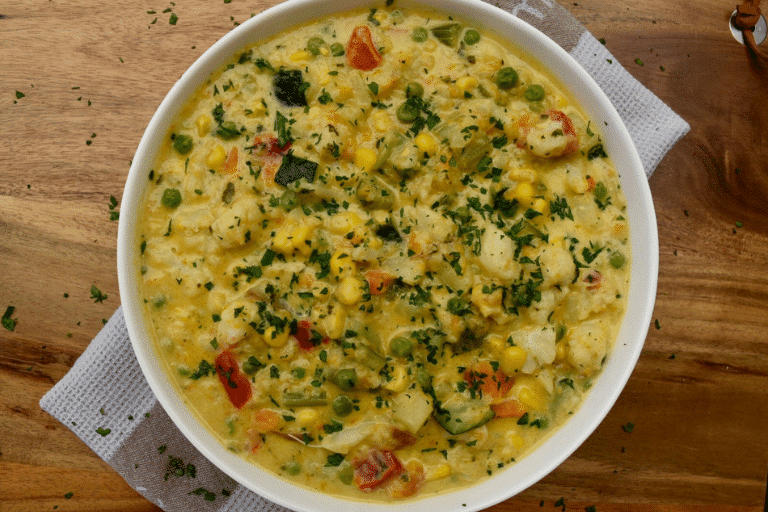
(106, 401)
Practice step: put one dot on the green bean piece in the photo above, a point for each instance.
(347, 474)
(414, 89)
(171, 198)
(304, 399)
(617, 260)
(419, 35)
(345, 379)
(448, 34)
(471, 36)
(401, 346)
(342, 405)
(423, 378)
(506, 78)
(337, 49)
(183, 144)
(292, 467)
(534, 92)
(289, 200)
(408, 111)
(314, 44)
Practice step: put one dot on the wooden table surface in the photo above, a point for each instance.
(80, 80)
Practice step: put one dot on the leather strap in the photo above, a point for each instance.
(747, 16)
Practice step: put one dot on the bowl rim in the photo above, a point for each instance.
(537, 463)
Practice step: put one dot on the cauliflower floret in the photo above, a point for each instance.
(234, 324)
(497, 254)
(587, 346)
(234, 222)
(557, 266)
(540, 346)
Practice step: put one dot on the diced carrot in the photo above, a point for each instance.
(267, 420)
(508, 409)
(379, 281)
(231, 163)
(488, 381)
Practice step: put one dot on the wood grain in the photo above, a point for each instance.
(93, 73)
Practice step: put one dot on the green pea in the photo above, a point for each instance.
(534, 92)
(337, 49)
(408, 111)
(182, 144)
(289, 200)
(419, 35)
(401, 347)
(346, 474)
(314, 44)
(171, 198)
(292, 467)
(298, 372)
(397, 17)
(423, 378)
(342, 405)
(414, 89)
(617, 260)
(345, 379)
(506, 78)
(471, 36)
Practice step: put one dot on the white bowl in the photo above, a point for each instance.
(599, 400)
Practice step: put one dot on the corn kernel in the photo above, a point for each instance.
(350, 291)
(282, 241)
(203, 123)
(399, 380)
(496, 345)
(344, 222)
(365, 158)
(276, 339)
(561, 351)
(441, 471)
(381, 121)
(530, 392)
(512, 359)
(523, 174)
(216, 157)
(426, 143)
(524, 192)
(301, 240)
(561, 102)
(306, 417)
(335, 323)
(465, 83)
(345, 92)
(342, 264)
(516, 440)
(540, 205)
(300, 56)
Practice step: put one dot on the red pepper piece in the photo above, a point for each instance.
(376, 469)
(235, 383)
(361, 53)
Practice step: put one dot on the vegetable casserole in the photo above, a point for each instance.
(384, 254)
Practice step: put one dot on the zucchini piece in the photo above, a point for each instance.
(301, 398)
(460, 414)
(370, 358)
(448, 34)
